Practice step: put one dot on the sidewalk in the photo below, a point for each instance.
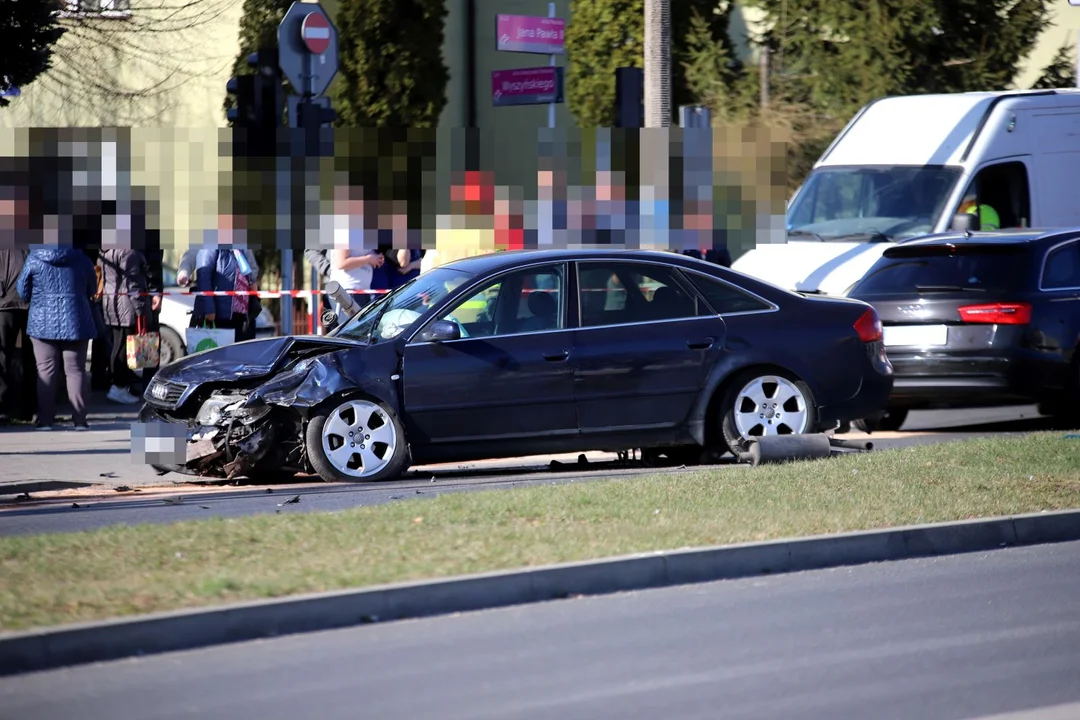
(32, 461)
(35, 462)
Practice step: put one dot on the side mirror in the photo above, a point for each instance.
(966, 222)
(439, 331)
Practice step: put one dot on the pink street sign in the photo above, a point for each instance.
(526, 86)
(529, 34)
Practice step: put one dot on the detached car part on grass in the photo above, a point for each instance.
(775, 449)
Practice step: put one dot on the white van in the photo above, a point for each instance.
(904, 166)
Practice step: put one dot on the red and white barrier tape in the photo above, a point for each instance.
(232, 293)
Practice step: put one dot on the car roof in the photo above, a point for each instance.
(1013, 236)
(508, 259)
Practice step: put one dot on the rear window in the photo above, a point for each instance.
(929, 270)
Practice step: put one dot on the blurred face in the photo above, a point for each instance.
(13, 214)
(116, 234)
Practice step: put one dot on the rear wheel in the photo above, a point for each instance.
(172, 347)
(356, 440)
(761, 404)
(891, 421)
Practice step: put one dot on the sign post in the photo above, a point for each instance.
(308, 57)
(530, 86)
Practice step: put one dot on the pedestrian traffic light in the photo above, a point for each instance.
(317, 112)
(629, 97)
(269, 87)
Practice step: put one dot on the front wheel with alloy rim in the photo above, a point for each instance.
(762, 404)
(356, 440)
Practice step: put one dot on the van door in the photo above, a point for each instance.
(1004, 187)
(1057, 167)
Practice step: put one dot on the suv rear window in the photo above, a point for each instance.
(943, 269)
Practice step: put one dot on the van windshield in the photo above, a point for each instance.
(871, 203)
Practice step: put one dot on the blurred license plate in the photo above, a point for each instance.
(916, 335)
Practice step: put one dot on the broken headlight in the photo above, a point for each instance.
(221, 409)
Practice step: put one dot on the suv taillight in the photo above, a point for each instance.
(997, 313)
(869, 326)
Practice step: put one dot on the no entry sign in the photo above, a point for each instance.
(308, 48)
(315, 31)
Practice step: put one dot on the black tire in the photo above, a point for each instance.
(688, 455)
(172, 346)
(732, 437)
(393, 467)
(891, 421)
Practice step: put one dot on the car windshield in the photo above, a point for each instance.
(868, 203)
(934, 270)
(397, 311)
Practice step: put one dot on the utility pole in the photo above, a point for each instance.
(657, 63)
(763, 69)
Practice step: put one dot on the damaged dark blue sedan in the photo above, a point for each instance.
(530, 353)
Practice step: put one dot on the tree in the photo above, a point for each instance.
(391, 63)
(604, 35)
(838, 56)
(125, 63)
(28, 31)
(1060, 73)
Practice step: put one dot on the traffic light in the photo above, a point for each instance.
(244, 112)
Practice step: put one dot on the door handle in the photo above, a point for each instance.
(704, 344)
(557, 356)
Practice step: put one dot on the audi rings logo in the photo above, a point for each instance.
(910, 309)
(159, 391)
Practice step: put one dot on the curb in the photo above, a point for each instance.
(67, 645)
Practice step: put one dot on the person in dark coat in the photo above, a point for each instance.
(57, 282)
(125, 276)
(16, 358)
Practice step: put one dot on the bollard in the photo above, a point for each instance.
(785, 448)
(342, 298)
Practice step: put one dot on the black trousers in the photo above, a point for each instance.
(18, 398)
(121, 375)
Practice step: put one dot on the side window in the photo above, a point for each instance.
(528, 300)
(725, 299)
(1061, 271)
(619, 293)
(1000, 195)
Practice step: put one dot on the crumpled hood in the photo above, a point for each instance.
(250, 359)
(58, 256)
(811, 266)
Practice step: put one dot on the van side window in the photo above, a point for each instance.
(1000, 190)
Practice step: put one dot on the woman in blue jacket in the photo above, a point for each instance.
(57, 283)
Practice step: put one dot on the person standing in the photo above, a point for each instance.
(125, 277)
(16, 359)
(226, 269)
(57, 283)
(224, 265)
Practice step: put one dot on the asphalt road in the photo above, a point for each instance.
(965, 636)
(95, 508)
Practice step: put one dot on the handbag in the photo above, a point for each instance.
(208, 338)
(143, 348)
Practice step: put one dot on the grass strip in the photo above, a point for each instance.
(125, 570)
